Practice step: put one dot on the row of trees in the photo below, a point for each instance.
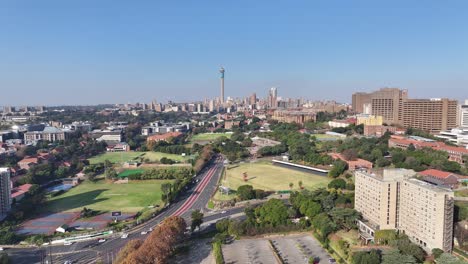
(164, 173)
(157, 247)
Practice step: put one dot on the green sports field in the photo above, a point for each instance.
(268, 177)
(209, 136)
(120, 157)
(105, 196)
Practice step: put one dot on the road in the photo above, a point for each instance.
(196, 197)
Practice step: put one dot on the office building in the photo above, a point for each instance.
(431, 115)
(392, 199)
(273, 98)
(369, 120)
(5, 192)
(222, 85)
(253, 99)
(464, 114)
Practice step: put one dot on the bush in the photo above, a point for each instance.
(218, 252)
(337, 184)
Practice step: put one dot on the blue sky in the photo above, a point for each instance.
(88, 52)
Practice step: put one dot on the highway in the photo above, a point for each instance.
(196, 197)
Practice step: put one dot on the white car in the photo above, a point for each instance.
(124, 235)
(1, 249)
(102, 240)
(68, 243)
(223, 212)
(144, 232)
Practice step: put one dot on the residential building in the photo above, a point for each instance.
(464, 115)
(5, 192)
(229, 124)
(113, 136)
(454, 153)
(353, 165)
(378, 131)
(119, 147)
(385, 102)
(163, 137)
(391, 199)
(369, 120)
(431, 115)
(19, 192)
(47, 134)
(441, 178)
(294, 116)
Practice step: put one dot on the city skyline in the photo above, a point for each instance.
(62, 54)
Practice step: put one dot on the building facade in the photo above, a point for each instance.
(294, 116)
(431, 115)
(5, 192)
(464, 114)
(391, 199)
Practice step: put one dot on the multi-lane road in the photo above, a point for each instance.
(196, 197)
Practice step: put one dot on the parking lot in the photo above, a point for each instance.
(291, 249)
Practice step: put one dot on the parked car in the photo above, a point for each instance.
(125, 235)
(102, 240)
(144, 232)
(68, 243)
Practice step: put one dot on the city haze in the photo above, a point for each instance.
(59, 53)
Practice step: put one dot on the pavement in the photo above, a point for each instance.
(196, 197)
(290, 248)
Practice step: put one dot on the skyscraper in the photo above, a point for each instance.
(222, 85)
(273, 98)
(464, 114)
(5, 192)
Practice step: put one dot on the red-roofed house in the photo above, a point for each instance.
(19, 192)
(27, 162)
(441, 178)
(163, 137)
(353, 164)
(454, 153)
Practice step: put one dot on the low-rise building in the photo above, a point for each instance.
(380, 130)
(441, 178)
(19, 192)
(353, 164)
(119, 147)
(49, 133)
(454, 153)
(457, 136)
(294, 116)
(369, 120)
(163, 137)
(341, 123)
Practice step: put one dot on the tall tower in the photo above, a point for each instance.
(222, 85)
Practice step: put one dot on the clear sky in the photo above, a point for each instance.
(98, 51)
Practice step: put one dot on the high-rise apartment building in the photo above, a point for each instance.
(464, 114)
(5, 192)
(273, 98)
(391, 199)
(431, 115)
(385, 102)
(253, 99)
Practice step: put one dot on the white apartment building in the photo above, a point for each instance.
(5, 192)
(464, 115)
(391, 199)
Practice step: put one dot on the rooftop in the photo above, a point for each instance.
(429, 186)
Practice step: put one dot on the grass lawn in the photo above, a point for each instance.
(209, 136)
(118, 157)
(462, 193)
(325, 137)
(104, 196)
(268, 177)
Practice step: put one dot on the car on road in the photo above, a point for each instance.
(332, 260)
(125, 235)
(144, 232)
(223, 212)
(67, 243)
(1, 249)
(68, 262)
(102, 240)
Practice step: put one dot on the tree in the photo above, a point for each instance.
(131, 246)
(301, 185)
(338, 168)
(291, 185)
(447, 258)
(245, 192)
(166, 190)
(345, 217)
(394, 256)
(363, 257)
(197, 219)
(337, 184)
(384, 237)
(436, 252)
(111, 174)
(272, 213)
(411, 147)
(350, 154)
